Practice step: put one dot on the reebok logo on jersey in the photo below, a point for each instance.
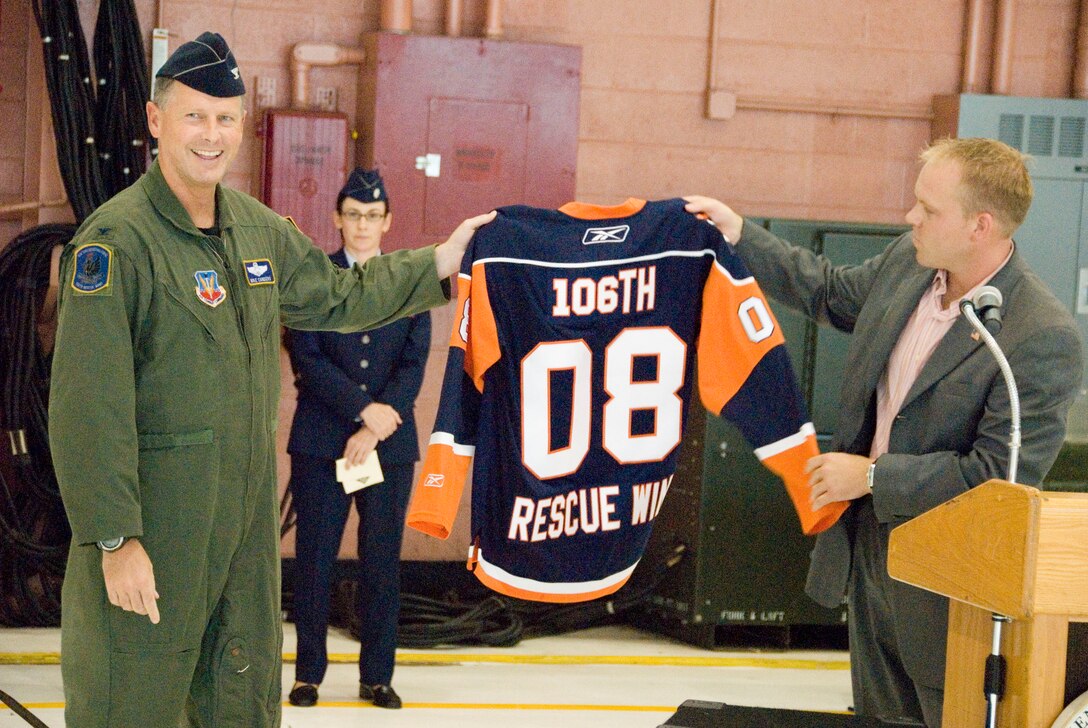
(614, 234)
(435, 480)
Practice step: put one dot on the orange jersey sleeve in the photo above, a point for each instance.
(745, 375)
(474, 348)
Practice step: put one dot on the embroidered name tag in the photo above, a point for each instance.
(92, 269)
(259, 272)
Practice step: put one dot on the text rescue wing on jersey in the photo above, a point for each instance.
(589, 510)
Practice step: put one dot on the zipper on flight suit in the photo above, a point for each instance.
(219, 249)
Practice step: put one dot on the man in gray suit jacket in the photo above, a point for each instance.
(925, 411)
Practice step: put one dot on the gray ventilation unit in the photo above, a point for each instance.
(1040, 139)
(1041, 136)
(1010, 130)
(1071, 137)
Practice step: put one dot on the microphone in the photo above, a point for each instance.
(987, 303)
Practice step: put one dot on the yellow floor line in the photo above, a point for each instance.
(507, 706)
(444, 658)
(29, 658)
(457, 706)
(471, 706)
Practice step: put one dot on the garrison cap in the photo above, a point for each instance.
(207, 65)
(365, 185)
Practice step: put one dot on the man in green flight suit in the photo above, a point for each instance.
(163, 413)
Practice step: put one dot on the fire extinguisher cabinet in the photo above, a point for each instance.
(303, 165)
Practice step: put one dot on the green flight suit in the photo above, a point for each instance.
(162, 420)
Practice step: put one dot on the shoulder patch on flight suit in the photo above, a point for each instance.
(259, 272)
(208, 289)
(291, 220)
(92, 268)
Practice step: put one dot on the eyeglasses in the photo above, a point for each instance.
(356, 216)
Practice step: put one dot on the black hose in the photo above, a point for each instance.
(500, 621)
(34, 532)
(71, 100)
(122, 84)
(21, 711)
(101, 138)
(98, 121)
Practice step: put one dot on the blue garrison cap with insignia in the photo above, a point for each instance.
(365, 185)
(207, 65)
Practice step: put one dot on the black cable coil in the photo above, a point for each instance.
(500, 621)
(71, 99)
(101, 138)
(32, 520)
(101, 134)
(121, 74)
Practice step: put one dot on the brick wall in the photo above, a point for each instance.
(642, 131)
(14, 36)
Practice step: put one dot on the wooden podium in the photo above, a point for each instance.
(1016, 551)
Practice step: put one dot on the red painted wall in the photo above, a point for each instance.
(642, 131)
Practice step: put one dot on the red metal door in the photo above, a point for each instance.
(481, 145)
(492, 110)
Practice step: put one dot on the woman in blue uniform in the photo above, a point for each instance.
(355, 394)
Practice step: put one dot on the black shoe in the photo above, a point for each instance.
(303, 696)
(383, 696)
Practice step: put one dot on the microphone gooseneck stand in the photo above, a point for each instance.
(994, 682)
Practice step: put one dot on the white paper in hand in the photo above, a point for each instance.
(360, 476)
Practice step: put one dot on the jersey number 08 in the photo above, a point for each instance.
(625, 395)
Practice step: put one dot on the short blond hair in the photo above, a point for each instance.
(164, 86)
(993, 178)
(162, 90)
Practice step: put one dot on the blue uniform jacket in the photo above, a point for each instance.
(339, 374)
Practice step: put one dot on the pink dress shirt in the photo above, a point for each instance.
(925, 329)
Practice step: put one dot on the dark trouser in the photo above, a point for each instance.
(880, 625)
(322, 508)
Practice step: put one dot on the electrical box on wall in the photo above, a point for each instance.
(459, 126)
(303, 167)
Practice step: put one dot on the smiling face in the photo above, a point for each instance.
(199, 136)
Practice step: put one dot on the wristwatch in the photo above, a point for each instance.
(111, 544)
(869, 475)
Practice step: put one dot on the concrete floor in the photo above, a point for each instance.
(606, 677)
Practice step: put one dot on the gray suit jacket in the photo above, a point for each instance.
(952, 432)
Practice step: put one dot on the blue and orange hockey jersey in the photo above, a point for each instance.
(570, 366)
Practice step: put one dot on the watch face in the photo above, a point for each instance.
(111, 544)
